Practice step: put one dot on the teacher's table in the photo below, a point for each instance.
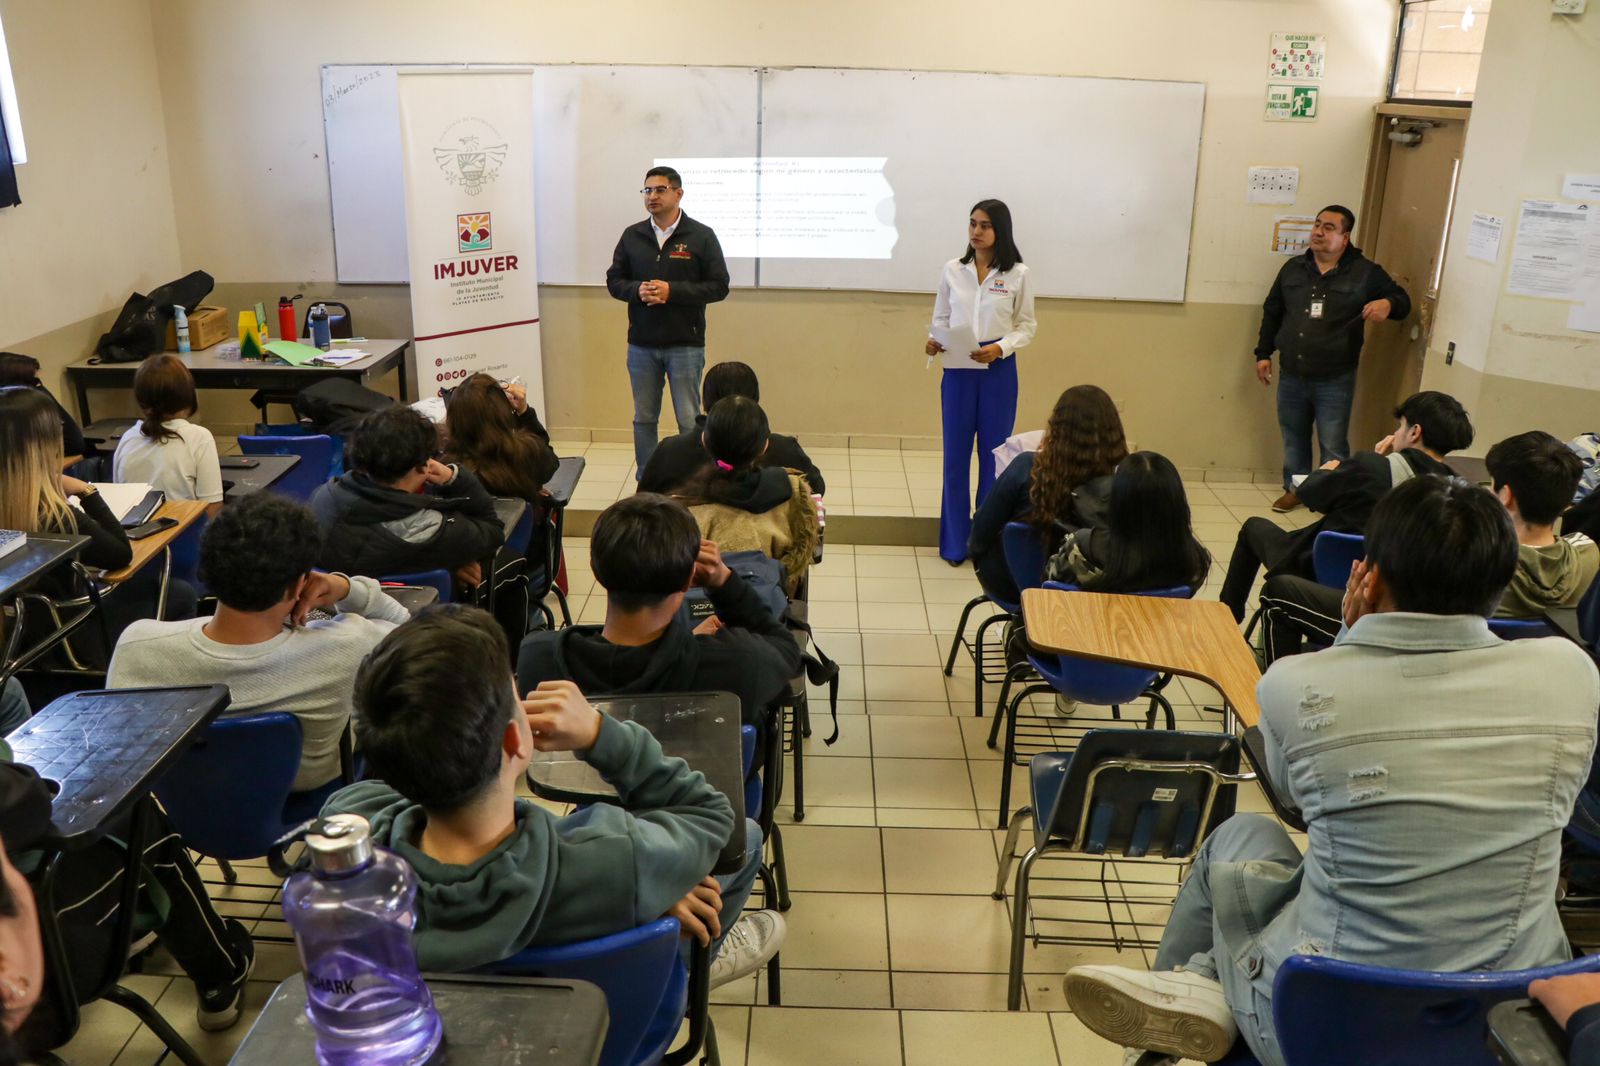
(701, 728)
(211, 371)
(186, 513)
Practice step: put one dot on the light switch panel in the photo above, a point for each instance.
(1569, 7)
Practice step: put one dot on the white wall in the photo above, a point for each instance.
(251, 179)
(96, 220)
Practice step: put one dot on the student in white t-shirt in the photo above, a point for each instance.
(166, 450)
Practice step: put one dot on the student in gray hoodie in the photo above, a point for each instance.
(445, 735)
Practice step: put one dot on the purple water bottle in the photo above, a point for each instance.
(352, 914)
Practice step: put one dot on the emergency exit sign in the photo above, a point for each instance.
(1292, 103)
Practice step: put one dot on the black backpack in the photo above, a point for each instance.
(141, 325)
(335, 405)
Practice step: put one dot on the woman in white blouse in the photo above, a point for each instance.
(988, 290)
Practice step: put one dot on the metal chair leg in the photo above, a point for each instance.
(780, 868)
(977, 660)
(798, 732)
(1011, 851)
(1019, 929)
(140, 1008)
(228, 873)
(961, 631)
(775, 981)
(710, 1055)
(1016, 673)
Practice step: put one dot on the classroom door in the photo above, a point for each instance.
(1410, 197)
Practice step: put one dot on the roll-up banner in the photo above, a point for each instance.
(468, 157)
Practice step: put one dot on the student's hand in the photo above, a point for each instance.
(561, 718)
(1331, 464)
(470, 574)
(709, 626)
(933, 347)
(1264, 371)
(987, 354)
(1377, 310)
(1355, 603)
(1565, 996)
(517, 395)
(700, 912)
(72, 486)
(437, 473)
(320, 590)
(1385, 446)
(709, 570)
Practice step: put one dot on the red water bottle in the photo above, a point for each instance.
(286, 328)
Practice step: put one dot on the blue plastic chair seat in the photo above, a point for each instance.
(316, 465)
(1047, 772)
(1332, 555)
(438, 580)
(1520, 628)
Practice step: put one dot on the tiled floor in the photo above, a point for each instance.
(896, 953)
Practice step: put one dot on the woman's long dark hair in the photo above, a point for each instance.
(1006, 255)
(164, 389)
(1083, 441)
(485, 438)
(1152, 544)
(735, 437)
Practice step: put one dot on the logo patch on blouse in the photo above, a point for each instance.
(680, 251)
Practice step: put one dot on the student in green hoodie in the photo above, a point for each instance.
(444, 733)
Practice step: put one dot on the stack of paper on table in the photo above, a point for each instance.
(122, 497)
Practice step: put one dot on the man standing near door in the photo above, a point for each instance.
(667, 268)
(1315, 318)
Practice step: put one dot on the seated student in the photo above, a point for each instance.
(34, 498)
(490, 429)
(1533, 475)
(1573, 1003)
(678, 458)
(1145, 540)
(256, 558)
(1436, 766)
(1063, 487)
(646, 553)
(745, 506)
(166, 450)
(448, 742)
(1432, 425)
(400, 510)
(18, 369)
(216, 953)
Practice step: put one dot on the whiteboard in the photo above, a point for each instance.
(1099, 173)
(597, 128)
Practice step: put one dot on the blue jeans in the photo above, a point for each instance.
(736, 887)
(1324, 402)
(979, 404)
(681, 368)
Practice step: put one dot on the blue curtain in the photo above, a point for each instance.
(8, 173)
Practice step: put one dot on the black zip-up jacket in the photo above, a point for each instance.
(352, 511)
(1321, 347)
(679, 458)
(690, 263)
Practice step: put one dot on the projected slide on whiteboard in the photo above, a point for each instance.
(798, 207)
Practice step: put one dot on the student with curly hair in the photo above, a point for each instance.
(1062, 487)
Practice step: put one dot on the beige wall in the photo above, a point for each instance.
(249, 182)
(1517, 365)
(96, 220)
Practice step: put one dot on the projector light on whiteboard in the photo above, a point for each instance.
(792, 207)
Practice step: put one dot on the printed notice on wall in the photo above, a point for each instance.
(1548, 257)
(1483, 239)
(1297, 56)
(1585, 315)
(1581, 187)
(1291, 234)
(1272, 185)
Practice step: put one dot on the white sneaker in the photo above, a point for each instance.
(749, 945)
(1170, 1011)
(1066, 706)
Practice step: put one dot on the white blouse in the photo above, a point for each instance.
(1001, 307)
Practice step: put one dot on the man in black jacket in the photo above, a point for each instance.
(1315, 318)
(667, 268)
(677, 459)
(646, 552)
(400, 510)
(1431, 426)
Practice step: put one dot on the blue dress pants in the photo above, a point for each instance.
(979, 404)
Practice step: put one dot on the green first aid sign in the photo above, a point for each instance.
(1292, 103)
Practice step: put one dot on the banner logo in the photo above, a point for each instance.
(470, 152)
(472, 233)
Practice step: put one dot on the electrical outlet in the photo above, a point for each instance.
(1568, 7)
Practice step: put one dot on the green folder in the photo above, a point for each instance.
(293, 352)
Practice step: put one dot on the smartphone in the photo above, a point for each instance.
(154, 526)
(238, 462)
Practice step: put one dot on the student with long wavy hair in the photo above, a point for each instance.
(1063, 487)
(165, 449)
(34, 498)
(1146, 541)
(491, 430)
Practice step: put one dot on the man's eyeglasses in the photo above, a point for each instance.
(662, 189)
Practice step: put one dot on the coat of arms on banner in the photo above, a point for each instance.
(467, 159)
(473, 233)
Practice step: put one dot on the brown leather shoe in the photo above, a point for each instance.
(1285, 503)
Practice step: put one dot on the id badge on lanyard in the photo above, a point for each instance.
(1316, 308)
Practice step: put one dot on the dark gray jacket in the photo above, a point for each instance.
(1329, 343)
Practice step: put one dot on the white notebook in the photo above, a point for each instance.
(122, 497)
